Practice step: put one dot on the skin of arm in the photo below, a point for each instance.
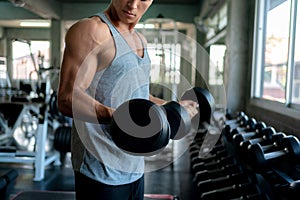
(80, 63)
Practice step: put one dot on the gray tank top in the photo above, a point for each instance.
(93, 152)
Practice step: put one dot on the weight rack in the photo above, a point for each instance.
(226, 173)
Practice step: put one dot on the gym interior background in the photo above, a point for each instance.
(243, 51)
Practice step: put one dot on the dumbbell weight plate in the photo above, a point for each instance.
(206, 104)
(289, 148)
(178, 118)
(139, 126)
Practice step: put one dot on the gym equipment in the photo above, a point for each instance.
(139, 126)
(62, 139)
(214, 156)
(178, 118)
(288, 148)
(218, 172)
(249, 126)
(41, 153)
(227, 160)
(206, 104)
(266, 143)
(266, 133)
(233, 120)
(234, 191)
(241, 122)
(223, 181)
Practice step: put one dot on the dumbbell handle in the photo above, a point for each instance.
(196, 159)
(222, 181)
(213, 164)
(231, 191)
(275, 154)
(205, 174)
(225, 169)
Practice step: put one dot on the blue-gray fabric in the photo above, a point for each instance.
(93, 152)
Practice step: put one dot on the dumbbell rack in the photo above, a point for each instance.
(224, 173)
(40, 158)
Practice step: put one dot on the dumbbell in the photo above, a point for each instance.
(239, 121)
(265, 133)
(266, 143)
(250, 125)
(139, 126)
(231, 192)
(214, 173)
(216, 155)
(234, 120)
(214, 164)
(206, 105)
(208, 159)
(288, 148)
(242, 122)
(223, 181)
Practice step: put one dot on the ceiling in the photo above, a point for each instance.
(47, 8)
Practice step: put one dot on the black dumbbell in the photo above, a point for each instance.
(231, 192)
(256, 196)
(139, 126)
(204, 97)
(214, 173)
(265, 133)
(209, 158)
(214, 164)
(234, 120)
(223, 181)
(197, 146)
(254, 128)
(250, 125)
(228, 128)
(288, 148)
(242, 122)
(266, 143)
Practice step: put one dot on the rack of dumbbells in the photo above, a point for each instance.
(250, 160)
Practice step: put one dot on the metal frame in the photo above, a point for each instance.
(40, 158)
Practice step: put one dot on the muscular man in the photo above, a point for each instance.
(105, 63)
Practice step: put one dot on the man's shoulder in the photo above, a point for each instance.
(93, 26)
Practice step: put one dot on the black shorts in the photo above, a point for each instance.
(86, 187)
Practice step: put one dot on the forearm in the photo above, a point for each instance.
(156, 100)
(83, 107)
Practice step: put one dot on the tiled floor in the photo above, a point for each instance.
(170, 178)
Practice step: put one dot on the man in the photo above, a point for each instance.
(105, 63)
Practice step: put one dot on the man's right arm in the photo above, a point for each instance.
(77, 71)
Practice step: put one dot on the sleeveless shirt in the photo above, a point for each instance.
(93, 152)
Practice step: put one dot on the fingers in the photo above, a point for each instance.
(190, 106)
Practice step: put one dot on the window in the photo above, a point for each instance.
(28, 58)
(216, 70)
(276, 58)
(296, 81)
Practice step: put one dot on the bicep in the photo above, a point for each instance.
(79, 65)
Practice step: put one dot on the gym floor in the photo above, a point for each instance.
(174, 178)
